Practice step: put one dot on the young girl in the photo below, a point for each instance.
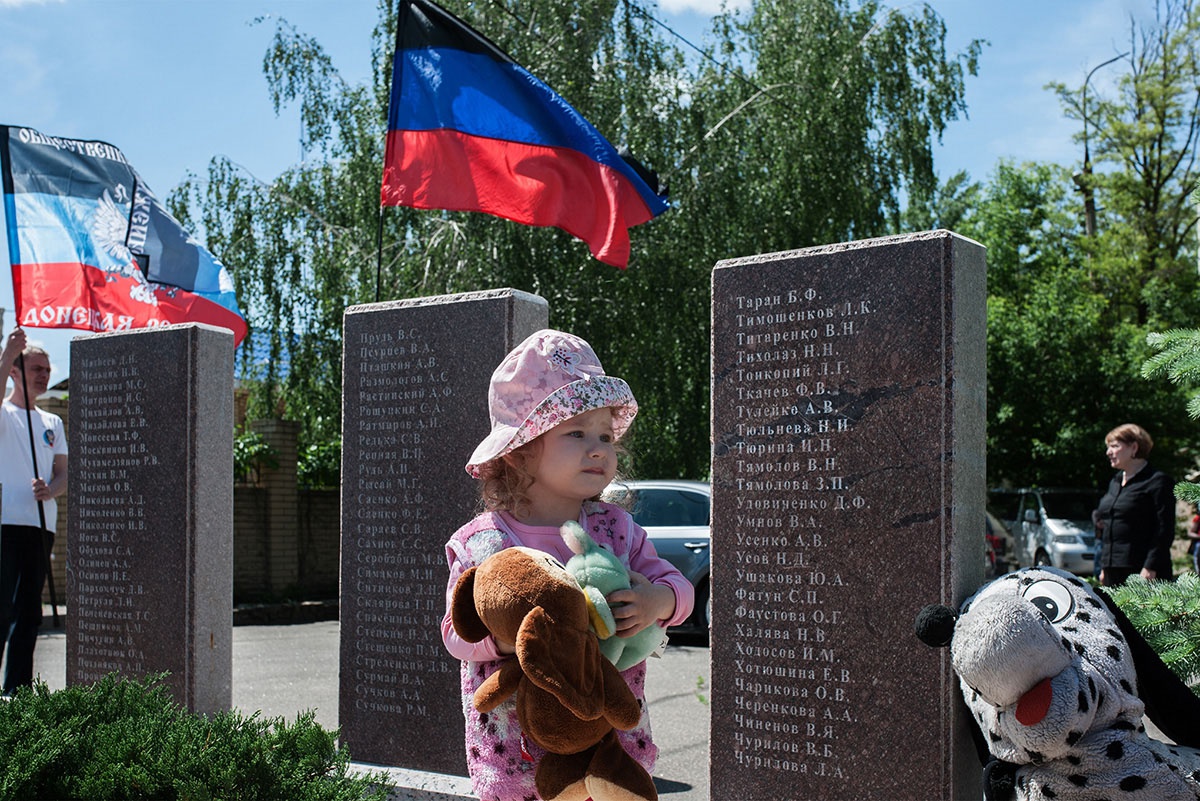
(556, 418)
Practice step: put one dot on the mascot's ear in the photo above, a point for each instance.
(1170, 704)
(935, 625)
(463, 615)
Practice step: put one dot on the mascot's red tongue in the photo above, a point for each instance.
(1034, 704)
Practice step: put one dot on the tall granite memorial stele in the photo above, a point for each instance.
(414, 382)
(848, 477)
(150, 523)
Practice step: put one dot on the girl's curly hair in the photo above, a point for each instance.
(505, 481)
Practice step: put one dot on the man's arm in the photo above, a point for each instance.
(13, 347)
(43, 491)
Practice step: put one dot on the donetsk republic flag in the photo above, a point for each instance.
(470, 130)
(92, 248)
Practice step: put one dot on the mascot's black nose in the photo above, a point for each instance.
(935, 625)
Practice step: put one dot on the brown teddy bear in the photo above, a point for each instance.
(569, 698)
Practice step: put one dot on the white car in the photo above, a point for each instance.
(1049, 527)
(675, 514)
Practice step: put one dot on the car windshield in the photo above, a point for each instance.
(1069, 506)
(670, 507)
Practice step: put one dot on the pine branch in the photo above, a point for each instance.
(1167, 615)
(1178, 358)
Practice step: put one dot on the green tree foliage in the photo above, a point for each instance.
(816, 130)
(1064, 361)
(650, 323)
(828, 125)
(303, 244)
(1146, 137)
(1068, 313)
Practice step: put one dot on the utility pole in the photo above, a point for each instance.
(1084, 181)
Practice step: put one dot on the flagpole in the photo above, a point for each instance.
(6, 176)
(401, 12)
(41, 508)
(379, 254)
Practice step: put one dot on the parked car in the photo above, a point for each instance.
(1049, 526)
(675, 515)
(999, 547)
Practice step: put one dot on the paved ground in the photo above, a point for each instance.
(285, 670)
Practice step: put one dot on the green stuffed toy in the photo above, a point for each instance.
(599, 572)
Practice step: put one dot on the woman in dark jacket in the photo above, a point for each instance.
(1136, 517)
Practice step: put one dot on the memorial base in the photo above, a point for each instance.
(418, 785)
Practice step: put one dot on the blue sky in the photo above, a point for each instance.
(175, 82)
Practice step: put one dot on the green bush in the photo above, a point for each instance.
(127, 739)
(251, 454)
(320, 466)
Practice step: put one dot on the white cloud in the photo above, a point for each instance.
(19, 3)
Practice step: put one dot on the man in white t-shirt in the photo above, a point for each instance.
(23, 541)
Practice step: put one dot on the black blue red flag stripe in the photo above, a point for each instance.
(471, 130)
(92, 248)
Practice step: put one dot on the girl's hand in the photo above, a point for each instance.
(504, 648)
(641, 605)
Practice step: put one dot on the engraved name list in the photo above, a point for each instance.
(792, 693)
(397, 580)
(110, 457)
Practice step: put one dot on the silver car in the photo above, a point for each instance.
(675, 514)
(1049, 527)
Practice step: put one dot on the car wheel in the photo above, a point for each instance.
(1042, 560)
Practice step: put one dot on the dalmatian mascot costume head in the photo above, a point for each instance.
(1059, 682)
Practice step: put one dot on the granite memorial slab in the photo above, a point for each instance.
(414, 382)
(848, 491)
(150, 523)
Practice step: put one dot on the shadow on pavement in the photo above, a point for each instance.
(689, 637)
(666, 786)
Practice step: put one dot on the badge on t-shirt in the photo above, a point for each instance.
(48, 436)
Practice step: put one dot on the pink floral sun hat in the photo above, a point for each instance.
(546, 380)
